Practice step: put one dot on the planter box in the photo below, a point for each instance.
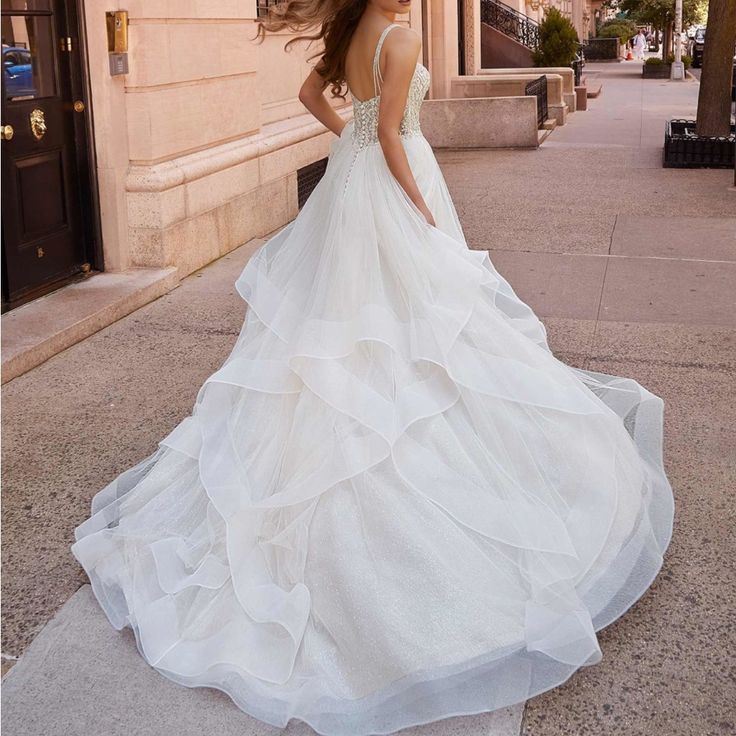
(684, 149)
(656, 71)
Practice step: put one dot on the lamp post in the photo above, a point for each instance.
(677, 71)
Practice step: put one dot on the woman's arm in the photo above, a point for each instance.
(402, 49)
(312, 97)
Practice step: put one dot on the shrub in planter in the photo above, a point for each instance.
(655, 68)
(558, 41)
(686, 60)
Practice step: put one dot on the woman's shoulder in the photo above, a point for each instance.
(403, 40)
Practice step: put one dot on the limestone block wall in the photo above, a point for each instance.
(197, 147)
(481, 122)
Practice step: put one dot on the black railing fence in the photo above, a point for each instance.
(578, 64)
(538, 88)
(510, 21)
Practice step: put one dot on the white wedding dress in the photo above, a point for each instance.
(392, 503)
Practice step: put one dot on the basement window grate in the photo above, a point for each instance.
(307, 179)
(262, 7)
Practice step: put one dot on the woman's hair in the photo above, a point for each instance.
(332, 21)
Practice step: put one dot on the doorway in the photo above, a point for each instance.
(461, 37)
(50, 223)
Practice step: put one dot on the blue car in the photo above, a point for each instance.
(18, 70)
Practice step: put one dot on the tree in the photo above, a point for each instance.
(660, 14)
(621, 28)
(714, 100)
(558, 40)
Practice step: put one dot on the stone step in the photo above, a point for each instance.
(581, 98)
(38, 330)
(592, 85)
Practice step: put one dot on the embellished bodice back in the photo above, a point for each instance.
(365, 112)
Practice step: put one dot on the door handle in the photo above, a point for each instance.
(6, 132)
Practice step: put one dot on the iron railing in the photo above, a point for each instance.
(578, 64)
(538, 88)
(511, 22)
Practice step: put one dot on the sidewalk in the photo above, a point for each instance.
(630, 266)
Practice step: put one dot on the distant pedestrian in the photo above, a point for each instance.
(639, 44)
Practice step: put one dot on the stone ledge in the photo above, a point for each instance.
(567, 73)
(187, 168)
(482, 122)
(38, 330)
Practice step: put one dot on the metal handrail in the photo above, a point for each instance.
(511, 22)
(538, 88)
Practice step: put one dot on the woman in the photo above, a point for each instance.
(639, 44)
(392, 503)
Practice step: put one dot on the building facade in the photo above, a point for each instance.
(155, 134)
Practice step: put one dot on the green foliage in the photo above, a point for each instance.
(660, 12)
(558, 41)
(686, 60)
(622, 30)
(657, 61)
(629, 25)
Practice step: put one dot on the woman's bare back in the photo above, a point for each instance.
(359, 57)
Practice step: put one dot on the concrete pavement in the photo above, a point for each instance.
(631, 267)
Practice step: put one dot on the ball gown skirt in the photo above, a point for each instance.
(391, 504)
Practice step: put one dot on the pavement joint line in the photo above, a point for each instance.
(716, 367)
(600, 300)
(609, 255)
(641, 110)
(613, 232)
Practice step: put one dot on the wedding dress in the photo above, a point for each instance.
(391, 504)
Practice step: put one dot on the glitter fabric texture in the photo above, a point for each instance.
(392, 503)
(365, 112)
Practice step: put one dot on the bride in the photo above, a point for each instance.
(391, 504)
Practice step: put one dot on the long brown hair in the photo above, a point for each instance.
(333, 22)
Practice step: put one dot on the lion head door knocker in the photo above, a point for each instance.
(38, 123)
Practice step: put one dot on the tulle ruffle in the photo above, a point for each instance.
(391, 504)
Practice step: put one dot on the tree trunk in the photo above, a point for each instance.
(666, 40)
(714, 99)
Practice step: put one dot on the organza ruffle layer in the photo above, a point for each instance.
(392, 503)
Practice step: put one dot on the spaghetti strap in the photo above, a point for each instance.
(377, 78)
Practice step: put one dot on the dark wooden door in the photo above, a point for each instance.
(461, 37)
(43, 189)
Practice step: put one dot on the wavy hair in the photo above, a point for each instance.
(332, 21)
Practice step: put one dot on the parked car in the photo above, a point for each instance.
(696, 46)
(18, 70)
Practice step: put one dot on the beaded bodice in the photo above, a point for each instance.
(365, 112)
